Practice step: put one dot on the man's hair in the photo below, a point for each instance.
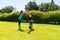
(21, 11)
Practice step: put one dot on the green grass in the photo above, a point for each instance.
(9, 31)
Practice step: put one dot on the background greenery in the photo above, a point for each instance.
(38, 16)
(43, 13)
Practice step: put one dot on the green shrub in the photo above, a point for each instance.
(38, 17)
(9, 17)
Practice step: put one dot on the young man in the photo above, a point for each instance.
(30, 20)
(20, 19)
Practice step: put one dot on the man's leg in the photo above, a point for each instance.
(19, 24)
(31, 25)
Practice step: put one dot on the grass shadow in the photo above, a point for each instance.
(21, 30)
(29, 31)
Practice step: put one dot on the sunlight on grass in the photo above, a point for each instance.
(9, 31)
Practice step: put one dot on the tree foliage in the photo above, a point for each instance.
(8, 9)
(31, 6)
(52, 1)
(48, 7)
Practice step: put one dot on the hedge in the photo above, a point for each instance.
(38, 17)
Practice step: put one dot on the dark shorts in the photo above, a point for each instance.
(19, 20)
(30, 18)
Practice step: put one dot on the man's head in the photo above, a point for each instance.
(21, 11)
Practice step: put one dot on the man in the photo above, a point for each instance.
(20, 19)
(30, 20)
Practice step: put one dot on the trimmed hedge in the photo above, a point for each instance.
(38, 17)
(9, 17)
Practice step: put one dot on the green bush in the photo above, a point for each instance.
(38, 17)
(9, 17)
(46, 17)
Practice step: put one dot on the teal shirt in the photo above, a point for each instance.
(20, 16)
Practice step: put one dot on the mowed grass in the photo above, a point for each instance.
(9, 31)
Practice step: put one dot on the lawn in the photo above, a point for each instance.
(9, 31)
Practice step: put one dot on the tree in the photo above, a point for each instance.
(8, 9)
(31, 6)
(0, 10)
(52, 1)
(48, 7)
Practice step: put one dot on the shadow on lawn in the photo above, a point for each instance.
(29, 31)
(21, 30)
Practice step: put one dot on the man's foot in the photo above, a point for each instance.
(31, 28)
